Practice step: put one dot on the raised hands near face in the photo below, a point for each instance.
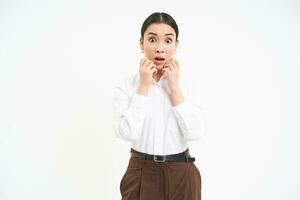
(171, 67)
(147, 68)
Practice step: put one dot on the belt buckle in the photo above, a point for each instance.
(156, 158)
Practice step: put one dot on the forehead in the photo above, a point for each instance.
(160, 29)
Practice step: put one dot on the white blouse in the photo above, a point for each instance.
(151, 123)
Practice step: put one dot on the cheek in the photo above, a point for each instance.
(149, 49)
(149, 46)
(170, 51)
(169, 55)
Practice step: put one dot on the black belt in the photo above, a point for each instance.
(180, 157)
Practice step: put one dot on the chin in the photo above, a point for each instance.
(159, 67)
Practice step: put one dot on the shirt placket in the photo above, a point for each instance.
(158, 142)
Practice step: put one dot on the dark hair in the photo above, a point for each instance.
(159, 17)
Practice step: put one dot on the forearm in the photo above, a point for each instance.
(142, 90)
(176, 97)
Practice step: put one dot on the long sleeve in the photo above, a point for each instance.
(189, 114)
(129, 112)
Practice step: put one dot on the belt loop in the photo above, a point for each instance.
(186, 154)
(186, 158)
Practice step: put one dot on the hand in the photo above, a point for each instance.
(171, 67)
(146, 70)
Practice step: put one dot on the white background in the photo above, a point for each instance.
(60, 59)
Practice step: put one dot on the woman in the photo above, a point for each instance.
(155, 110)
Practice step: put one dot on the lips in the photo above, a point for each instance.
(159, 62)
(159, 58)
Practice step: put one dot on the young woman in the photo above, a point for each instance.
(155, 110)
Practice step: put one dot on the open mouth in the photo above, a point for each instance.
(159, 58)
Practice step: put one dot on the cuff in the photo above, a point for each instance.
(182, 109)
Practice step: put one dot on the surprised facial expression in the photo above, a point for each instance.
(159, 43)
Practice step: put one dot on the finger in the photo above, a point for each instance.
(174, 63)
(167, 70)
(165, 67)
(143, 60)
(177, 62)
(171, 67)
(153, 70)
(169, 61)
(167, 64)
(148, 63)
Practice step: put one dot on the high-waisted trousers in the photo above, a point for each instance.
(150, 180)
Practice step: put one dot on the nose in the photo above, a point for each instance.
(160, 49)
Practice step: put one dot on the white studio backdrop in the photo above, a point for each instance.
(60, 59)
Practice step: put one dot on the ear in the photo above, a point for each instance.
(141, 44)
(176, 44)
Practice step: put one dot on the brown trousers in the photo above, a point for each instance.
(150, 180)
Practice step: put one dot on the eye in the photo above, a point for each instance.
(151, 40)
(169, 40)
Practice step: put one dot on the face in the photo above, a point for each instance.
(159, 43)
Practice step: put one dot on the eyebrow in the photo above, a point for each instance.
(151, 33)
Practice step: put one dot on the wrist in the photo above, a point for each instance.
(143, 90)
(175, 90)
(176, 97)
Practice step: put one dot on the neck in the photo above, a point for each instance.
(157, 75)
